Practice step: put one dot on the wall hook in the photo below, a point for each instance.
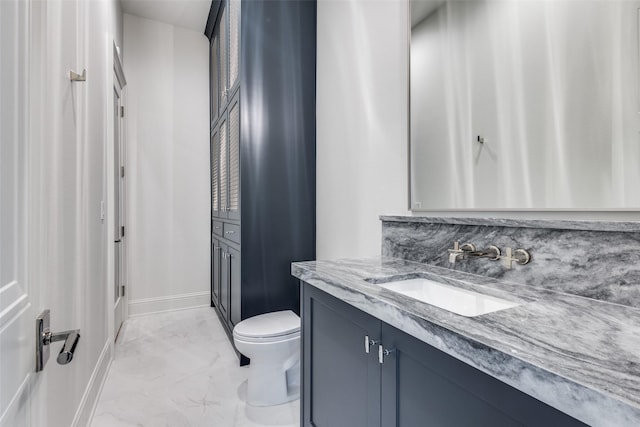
(75, 77)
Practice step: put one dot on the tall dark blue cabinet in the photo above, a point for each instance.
(262, 91)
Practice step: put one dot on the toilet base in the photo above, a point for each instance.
(269, 385)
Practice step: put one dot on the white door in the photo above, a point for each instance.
(17, 310)
(53, 242)
(118, 198)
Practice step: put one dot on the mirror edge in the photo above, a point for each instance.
(409, 192)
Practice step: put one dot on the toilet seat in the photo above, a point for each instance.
(267, 340)
(269, 327)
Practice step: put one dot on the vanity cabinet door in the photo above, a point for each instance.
(341, 382)
(216, 253)
(224, 282)
(422, 386)
(234, 287)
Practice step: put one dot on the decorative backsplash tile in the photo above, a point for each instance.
(594, 259)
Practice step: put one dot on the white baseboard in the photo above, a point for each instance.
(139, 307)
(89, 401)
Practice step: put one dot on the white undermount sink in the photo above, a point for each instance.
(459, 301)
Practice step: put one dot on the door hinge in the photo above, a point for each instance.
(122, 290)
(122, 111)
(121, 171)
(122, 231)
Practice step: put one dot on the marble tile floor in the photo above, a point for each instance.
(179, 369)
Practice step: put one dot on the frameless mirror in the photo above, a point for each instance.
(520, 104)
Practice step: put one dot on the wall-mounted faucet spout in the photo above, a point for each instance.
(468, 250)
(492, 253)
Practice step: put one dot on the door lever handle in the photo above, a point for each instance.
(70, 339)
(44, 337)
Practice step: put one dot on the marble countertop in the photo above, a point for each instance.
(579, 355)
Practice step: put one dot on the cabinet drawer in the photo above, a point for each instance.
(217, 228)
(232, 232)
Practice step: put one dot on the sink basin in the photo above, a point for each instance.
(459, 301)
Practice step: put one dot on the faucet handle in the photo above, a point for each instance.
(468, 247)
(459, 250)
(520, 256)
(453, 253)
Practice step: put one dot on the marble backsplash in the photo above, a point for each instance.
(594, 259)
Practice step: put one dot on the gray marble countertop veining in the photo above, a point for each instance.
(620, 226)
(579, 355)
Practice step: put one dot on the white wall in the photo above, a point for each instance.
(64, 133)
(361, 129)
(168, 165)
(361, 123)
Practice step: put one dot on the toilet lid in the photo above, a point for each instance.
(269, 325)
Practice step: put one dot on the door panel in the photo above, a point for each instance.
(234, 44)
(223, 57)
(215, 174)
(213, 78)
(215, 273)
(234, 161)
(424, 386)
(224, 281)
(234, 292)
(224, 168)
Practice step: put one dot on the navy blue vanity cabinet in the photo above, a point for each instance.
(416, 385)
(341, 385)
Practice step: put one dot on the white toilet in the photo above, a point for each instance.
(272, 342)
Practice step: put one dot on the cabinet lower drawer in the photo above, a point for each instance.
(232, 232)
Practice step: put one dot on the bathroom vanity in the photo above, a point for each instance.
(540, 363)
(397, 378)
